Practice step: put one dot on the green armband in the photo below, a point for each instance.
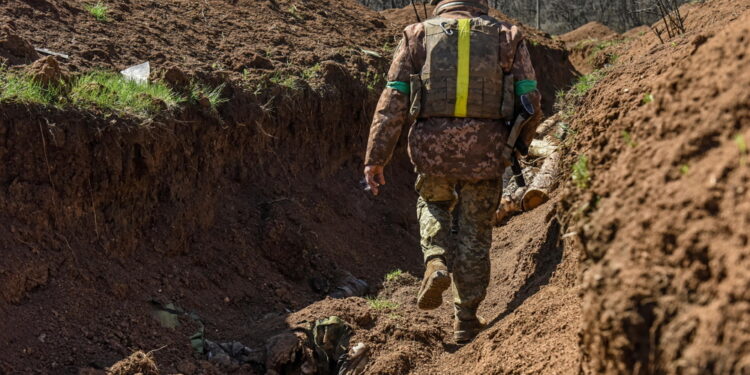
(524, 87)
(400, 86)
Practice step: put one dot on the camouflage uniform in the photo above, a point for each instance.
(450, 153)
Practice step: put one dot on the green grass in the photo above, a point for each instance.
(311, 72)
(198, 91)
(684, 169)
(283, 79)
(104, 91)
(581, 175)
(22, 88)
(100, 11)
(647, 98)
(585, 84)
(393, 275)
(739, 140)
(628, 138)
(382, 304)
(292, 10)
(110, 91)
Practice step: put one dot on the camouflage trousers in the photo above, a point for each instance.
(467, 253)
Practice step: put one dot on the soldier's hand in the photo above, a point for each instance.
(374, 177)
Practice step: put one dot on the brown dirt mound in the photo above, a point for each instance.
(591, 30)
(664, 224)
(228, 36)
(553, 67)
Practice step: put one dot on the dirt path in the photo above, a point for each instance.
(532, 306)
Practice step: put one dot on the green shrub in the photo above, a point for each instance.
(100, 11)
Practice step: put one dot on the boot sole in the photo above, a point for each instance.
(432, 296)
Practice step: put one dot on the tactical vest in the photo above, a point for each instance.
(462, 75)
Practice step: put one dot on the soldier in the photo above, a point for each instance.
(456, 78)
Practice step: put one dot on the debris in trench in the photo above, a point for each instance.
(138, 363)
(52, 53)
(321, 347)
(544, 150)
(350, 287)
(138, 73)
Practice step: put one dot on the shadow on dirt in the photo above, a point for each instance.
(546, 260)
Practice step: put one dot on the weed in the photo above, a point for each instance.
(393, 275)
(739, 140)
(374, 80)
(586, 83)
(581, 174)
(535, 43)
(198, 91)
(294, 12)
(628, 139)
(381, 304)
(283, 79)
(647, 98)
(311, 72)
(23, 89)
(684, 169)
(388, 48)
(110, 91)
(100, 11)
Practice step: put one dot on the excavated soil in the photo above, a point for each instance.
(228, 38)
(551, 60)
(591, 30)
(590, 46)
(664, 225)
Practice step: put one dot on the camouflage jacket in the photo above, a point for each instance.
(463, 148)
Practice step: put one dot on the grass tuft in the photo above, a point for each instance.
(100, 11)
(111, 91)
(311, 72)
(739, 140)
(586, 83)
(382, 304)
(22, 88)
(684, 169)
(581, 174)
(628, 138)
(199, 91)
(393, 275)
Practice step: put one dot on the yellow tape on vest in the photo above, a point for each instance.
(464, 66)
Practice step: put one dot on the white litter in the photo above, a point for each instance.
(138, 73)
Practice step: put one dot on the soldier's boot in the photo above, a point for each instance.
(466, 330)
(436, 280)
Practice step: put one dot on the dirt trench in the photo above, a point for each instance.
(239, 222)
